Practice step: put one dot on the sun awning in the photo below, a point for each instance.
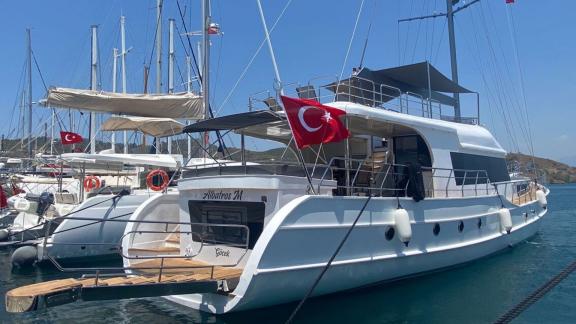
(178, 105)
(377, 86)
(104, 161)
(233, 122)
(157, 127)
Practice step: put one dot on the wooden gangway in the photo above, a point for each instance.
(155, 277)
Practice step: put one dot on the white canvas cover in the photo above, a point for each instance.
(157, 127)
(178, 105)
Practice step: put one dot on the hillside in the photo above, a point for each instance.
(555, 172)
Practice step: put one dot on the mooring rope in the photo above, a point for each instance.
(536, 295)
(291, 318)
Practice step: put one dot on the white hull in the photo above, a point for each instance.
(300, 238)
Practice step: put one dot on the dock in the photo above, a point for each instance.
(178, 276)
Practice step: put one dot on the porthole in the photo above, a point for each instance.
(460, 226)
(436, 229)
(389, 233)
(479, 222)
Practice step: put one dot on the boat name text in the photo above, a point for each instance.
(221, 195)
(222, 252)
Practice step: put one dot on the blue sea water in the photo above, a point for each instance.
(478, 292)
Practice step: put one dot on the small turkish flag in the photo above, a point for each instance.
(314, 123)
(70, 138)
(509, 1)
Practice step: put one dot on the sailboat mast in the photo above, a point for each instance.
(123, 45)
(170, 68)
(453, 61)
(93, 86)
(29, 135)
(206, 64)
(114, 74)
(158, 56)
(188, 89)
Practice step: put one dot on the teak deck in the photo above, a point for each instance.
(26, 298)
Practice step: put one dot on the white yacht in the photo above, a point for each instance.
(417, 191)
(431, 192)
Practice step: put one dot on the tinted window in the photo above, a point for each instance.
(246, 213)
(494, 167)
(411, 150)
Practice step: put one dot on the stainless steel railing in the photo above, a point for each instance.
(362, 91)
(119, 248)
(383, 179)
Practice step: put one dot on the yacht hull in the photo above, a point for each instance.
(301, 237)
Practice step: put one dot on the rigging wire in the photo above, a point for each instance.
(512, 31)
(367, 35)
(351, 39)
(249, 64)
(515, 104)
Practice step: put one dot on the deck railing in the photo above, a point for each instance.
(364, 176)
(362, 91)
(118, 247)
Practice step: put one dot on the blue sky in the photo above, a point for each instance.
(311, 39)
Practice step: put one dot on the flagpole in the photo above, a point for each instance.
(281, 91)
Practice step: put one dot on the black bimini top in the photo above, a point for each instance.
(413, 78)
(233, 122)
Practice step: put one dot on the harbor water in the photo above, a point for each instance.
(477, 292)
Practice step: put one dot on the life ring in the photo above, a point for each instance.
(151, 180)
(91, 183)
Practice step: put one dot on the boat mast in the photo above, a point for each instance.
(93, 86)
(206, 66)
(450, 12)
(123, 45)
(170, 69)
(114, 74)
(53, 117)
(29, 135)
(453, 61)
(188, 89)
(158, 57)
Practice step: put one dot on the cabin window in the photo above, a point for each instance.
(411, 150)
(246, 213)
(495, 168)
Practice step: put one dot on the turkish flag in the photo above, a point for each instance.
(314, 123)
(70, 138)
(509, 1)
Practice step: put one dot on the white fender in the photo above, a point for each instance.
(402, 225)
(541, 197)
(505, 219)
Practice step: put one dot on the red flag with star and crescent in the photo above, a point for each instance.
(70, 138)
(314, 123)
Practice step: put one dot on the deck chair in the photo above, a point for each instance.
(307, 92)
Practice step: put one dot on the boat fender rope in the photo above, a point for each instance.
(311, 290)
